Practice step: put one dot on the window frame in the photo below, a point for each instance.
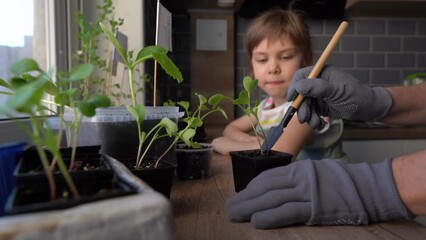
(59, 23)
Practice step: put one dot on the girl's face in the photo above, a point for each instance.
(274, 63)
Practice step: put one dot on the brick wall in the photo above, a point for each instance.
(378, 51)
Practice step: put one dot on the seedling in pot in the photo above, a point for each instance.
(27, 90)
(196, 118)
(138, 110)
(248, 106)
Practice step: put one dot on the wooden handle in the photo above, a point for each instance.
(323, 59)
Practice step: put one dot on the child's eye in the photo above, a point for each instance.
(261, 60)
(287, 57)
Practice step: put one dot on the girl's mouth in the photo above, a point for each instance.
(275, 82)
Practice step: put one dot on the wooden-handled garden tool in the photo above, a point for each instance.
(276, 132)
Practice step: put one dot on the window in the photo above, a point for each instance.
(31, 29)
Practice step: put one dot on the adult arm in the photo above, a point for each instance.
(408, 105)
(409, 175)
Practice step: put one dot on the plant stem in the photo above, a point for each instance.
(43, 158)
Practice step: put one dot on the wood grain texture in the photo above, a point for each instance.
(199, 208)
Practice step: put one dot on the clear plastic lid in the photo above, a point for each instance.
(121, 114)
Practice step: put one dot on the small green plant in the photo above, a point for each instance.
(138, 110)
(196, 118)
(247, 105)
(90, 35)
(28, 92)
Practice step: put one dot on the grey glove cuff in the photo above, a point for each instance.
(377, 190)
(376, 105)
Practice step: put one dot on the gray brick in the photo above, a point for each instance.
(421, 60)
(415, 44)
(320, 42)
(242, 59)
(362, 75)
(401, 60)
(401, 27)
(370, 60)
(240, 74)
(386, 77)
(242, 24)
(355, 44)
(422, 27)
(370, 26)
(240, 42)
(389, 44)
(343, 60)
(332, 25)
(316, 26)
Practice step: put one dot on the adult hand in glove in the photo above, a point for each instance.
(339, 95)
(322, 192)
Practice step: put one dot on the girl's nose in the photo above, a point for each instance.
(273, 68)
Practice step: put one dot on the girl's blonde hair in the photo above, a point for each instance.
(275, 23)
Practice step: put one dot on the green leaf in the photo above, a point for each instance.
(187, 135)
(202, 100)
(5, 84)
(62, 99)
(249, 84)
(23, 66)
(17, 82)
(194, 122)
(170, 126)
(216, 99)
(223, 112)
(26, 96)
(116, 43)
(51, 88)
(184, 104)
(138, 112)
(242, 99)
(168, 66)
(80, 72)
(88, 107)
(146, 52)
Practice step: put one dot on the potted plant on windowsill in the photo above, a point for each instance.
(247, 164)
(27, 91)
(156, 135)
(80, 209)
(91, 51)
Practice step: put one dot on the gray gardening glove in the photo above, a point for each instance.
(323, 192)
(339, 95)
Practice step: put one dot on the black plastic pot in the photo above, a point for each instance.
(193, 163)
(118, 131)
(91, 164)
(247, 164)
(160, 178)
(33, 193)
(120, 140)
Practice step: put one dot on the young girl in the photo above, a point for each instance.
(278, 43)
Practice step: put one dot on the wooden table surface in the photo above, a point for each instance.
(199, 213)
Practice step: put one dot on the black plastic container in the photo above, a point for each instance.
(193, 163)
(120, 140)
(93, 185)
(36, 198)
(160, 178)
(91, 164)
(118, 131)
(247, 164)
